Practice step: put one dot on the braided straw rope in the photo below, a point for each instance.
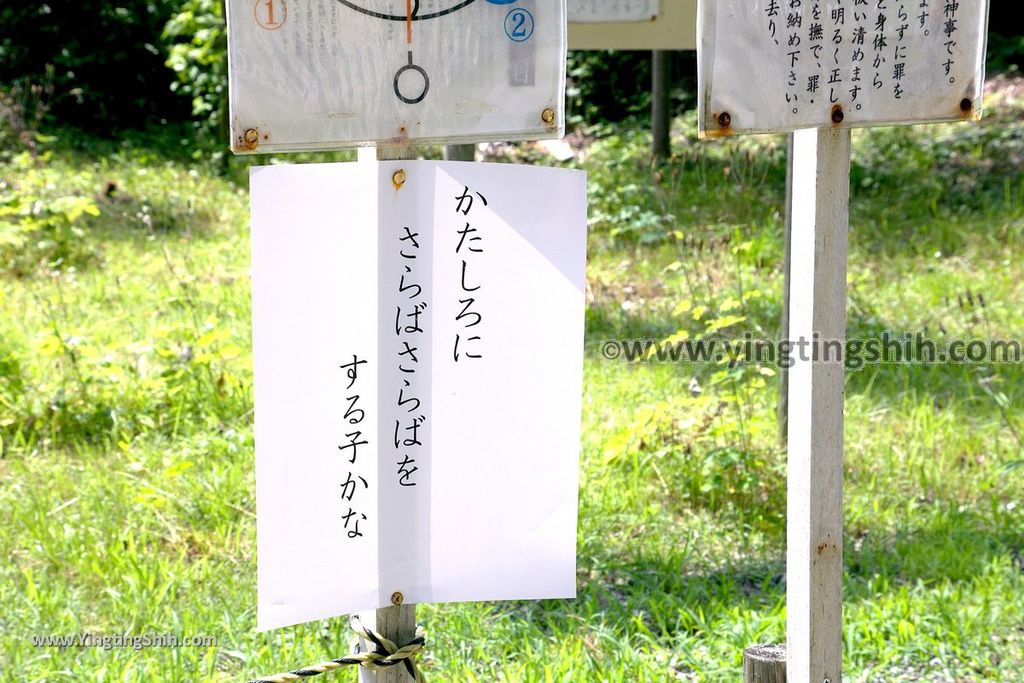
(385, 654)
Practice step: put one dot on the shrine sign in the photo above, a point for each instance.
(823, 63)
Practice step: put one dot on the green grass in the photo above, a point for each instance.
(125, 415)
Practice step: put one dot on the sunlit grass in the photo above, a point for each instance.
(125, 414)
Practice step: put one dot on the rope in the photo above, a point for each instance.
(385, 654)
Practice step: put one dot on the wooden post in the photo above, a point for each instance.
(396, 623)
(764, 664)
(786, 266)
(814, 556)
(460, 152)
(661, 104)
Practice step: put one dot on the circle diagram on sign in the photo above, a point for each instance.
(412, 83)
(404, 10)
(416, 72)
(343, 73)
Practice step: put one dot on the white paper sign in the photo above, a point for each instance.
(418, 347)
(775, 65)
(325, 74)
(613, 10)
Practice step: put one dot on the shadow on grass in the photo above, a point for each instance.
(667, 597)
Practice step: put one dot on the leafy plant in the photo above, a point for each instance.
(109, 54)
(198, 55)
(23, 107)
(39, 231)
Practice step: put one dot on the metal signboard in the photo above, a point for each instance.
(632, 25)
(612, 10)
(327, 74)
(781, 65)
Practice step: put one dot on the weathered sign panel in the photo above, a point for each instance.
(782, 65)
(418, 358)
(326, 74)
(612, 10)
(673, 26)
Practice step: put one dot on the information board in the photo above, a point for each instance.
(672, 27)
(326, 74)
(418, 358)
(782, 65)
(612, 10)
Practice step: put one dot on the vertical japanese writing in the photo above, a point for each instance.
(468, 339)
(409, 330)
(794, 22)
(949, 29)
(772, 11)
(858, 55)
(815, 43)
(355, 483)
(879, 44)
(836, 25)
(855, 52)
(899, 67)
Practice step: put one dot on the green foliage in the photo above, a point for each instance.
(107, 57)
(636, 201)
(609, 87)
(40, 229)
(23, 107)
(1005, 53)
(199, 57)
(694, 446)
(126, 443)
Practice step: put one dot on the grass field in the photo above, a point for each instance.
(127, 456)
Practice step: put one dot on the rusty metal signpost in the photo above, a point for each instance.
(819, 68)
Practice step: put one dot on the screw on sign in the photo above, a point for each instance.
(823, 68)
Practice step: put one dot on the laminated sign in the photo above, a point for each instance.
(776, 65)
(613, 10)
(418, 352)
(323, 74)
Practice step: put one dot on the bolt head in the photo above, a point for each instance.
(724, 119)
(252, 136)
(548, 116)
(397, 598)
(966, 105)
(398, 179)
(837, 115)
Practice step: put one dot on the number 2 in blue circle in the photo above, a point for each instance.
(519, 25)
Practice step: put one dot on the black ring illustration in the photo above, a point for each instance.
(402, 17)
(426, 82)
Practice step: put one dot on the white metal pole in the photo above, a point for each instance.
(814, 556)
(787, 270)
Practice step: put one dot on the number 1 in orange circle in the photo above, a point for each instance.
(271, 14)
